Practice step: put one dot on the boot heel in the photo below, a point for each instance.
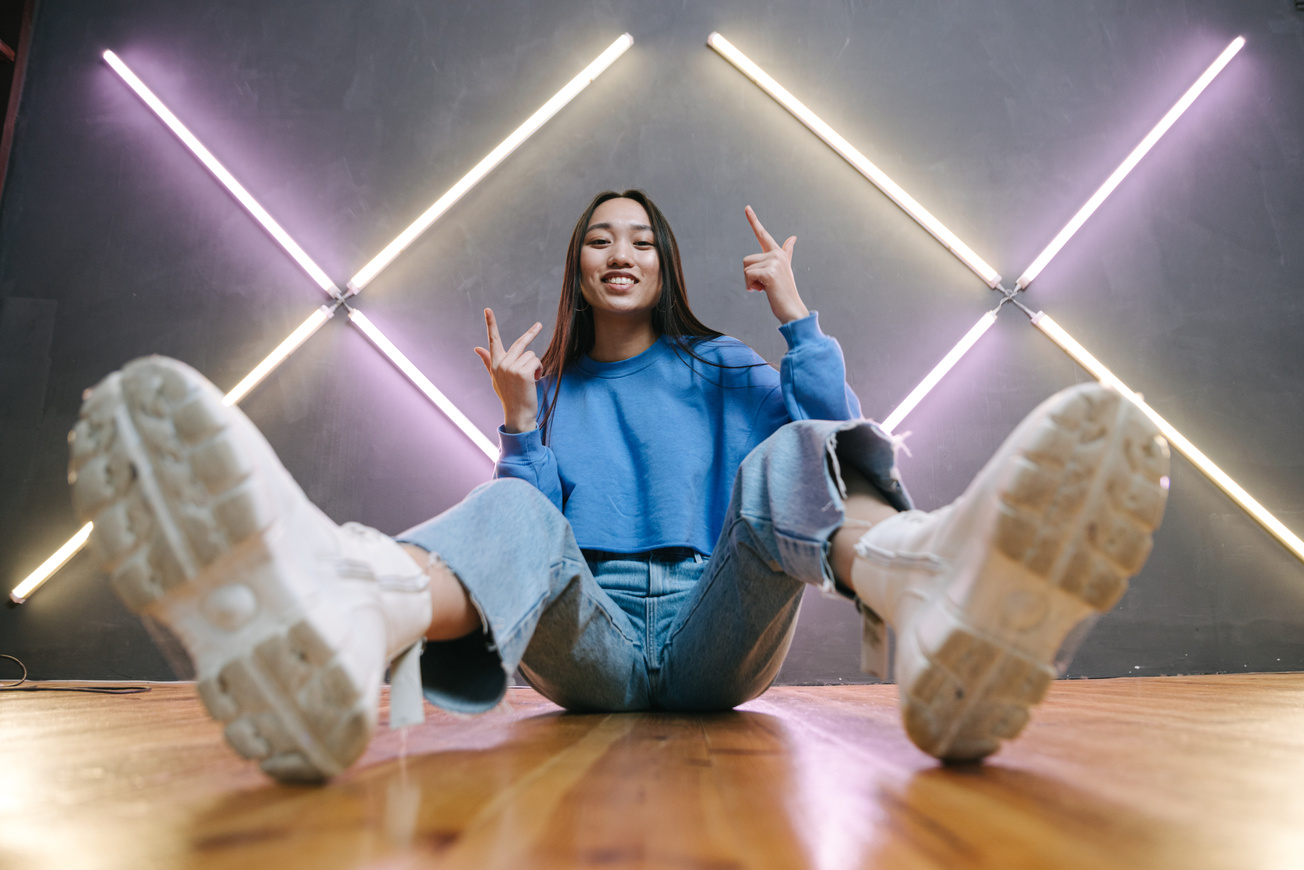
(1044, 538)
(168, 492)
(285, 616)
(292, 706)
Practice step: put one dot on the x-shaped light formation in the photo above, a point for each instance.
(1043, 322)
(853, 156)
(338, 298)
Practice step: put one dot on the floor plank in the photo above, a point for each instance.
(1189, 772)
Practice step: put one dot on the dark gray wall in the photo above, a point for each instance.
(348, 119)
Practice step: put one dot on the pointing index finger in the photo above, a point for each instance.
(495, 340)
(521, 343)
(767, 241)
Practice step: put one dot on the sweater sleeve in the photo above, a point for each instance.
(524, 456)
(813, 374)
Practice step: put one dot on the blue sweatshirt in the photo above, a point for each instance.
(642, 452)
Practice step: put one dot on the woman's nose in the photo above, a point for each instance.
(619, 254)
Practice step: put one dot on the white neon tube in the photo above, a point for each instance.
(305, 330)
(47, 568)
(1126, 166)
(1270, 523)
(939, 371)
(220, 172)
(859, 161)
(423, 383)
(292, 342)
(496, 156)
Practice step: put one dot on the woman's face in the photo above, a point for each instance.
(620, 271)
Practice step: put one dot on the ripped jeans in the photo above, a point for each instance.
(660, 630)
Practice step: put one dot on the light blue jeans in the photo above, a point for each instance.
(610, 633)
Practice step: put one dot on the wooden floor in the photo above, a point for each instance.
(1182, 772)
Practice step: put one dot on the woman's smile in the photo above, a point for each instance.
(620, 267)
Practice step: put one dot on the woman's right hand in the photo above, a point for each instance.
(514, 372)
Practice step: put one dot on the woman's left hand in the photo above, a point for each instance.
(770, 271)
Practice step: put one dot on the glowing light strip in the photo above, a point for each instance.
(292, 342)
(305, 330)
(939, 371)
(314, 322)
(422, 383)
(1126, 166)
(61, 556)
(496, 156)
(220, 172)
(859, 161)
(1271, 524)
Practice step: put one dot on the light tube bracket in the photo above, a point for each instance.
(1044, 323)
(858, 161)
(423, 383)
(319, 317)
(568, 92)
(222, 174)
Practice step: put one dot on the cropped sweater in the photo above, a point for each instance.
(642, 453)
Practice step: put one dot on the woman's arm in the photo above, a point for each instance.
(525, 457)
(770, 272)
(515, 373)
(813, 374)
(813, 371)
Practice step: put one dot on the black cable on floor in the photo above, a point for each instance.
(18, 686)
(21, 679)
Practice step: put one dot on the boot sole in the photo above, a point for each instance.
(186, 530)
(1071, 521)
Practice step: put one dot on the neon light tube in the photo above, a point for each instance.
(939, 371)
(423, 383)
(220, 172)
(859, 161)
(1126, 166)
(292, 342)
(23, 590)
(496, 156)
(1271, 524)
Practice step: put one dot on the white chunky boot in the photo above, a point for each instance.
(289, 619)
(982, 593)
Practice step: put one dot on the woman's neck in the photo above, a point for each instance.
(616, 338)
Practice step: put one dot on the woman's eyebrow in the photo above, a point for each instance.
(606, 226)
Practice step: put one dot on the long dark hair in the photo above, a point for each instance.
(573, 333)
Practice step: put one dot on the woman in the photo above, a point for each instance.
(661, 500)
(647, 415)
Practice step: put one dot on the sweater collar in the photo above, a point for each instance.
(619, 369)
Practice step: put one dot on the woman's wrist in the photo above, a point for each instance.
(790, 312)
(519, 425)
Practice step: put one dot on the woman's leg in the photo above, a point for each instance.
(864, 507)
(789, 500)
(989, 595)
(984, 594)
(289, 619)
(452, 614)
(505, 565)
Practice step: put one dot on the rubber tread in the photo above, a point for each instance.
(1084, 493)
(155, 467)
